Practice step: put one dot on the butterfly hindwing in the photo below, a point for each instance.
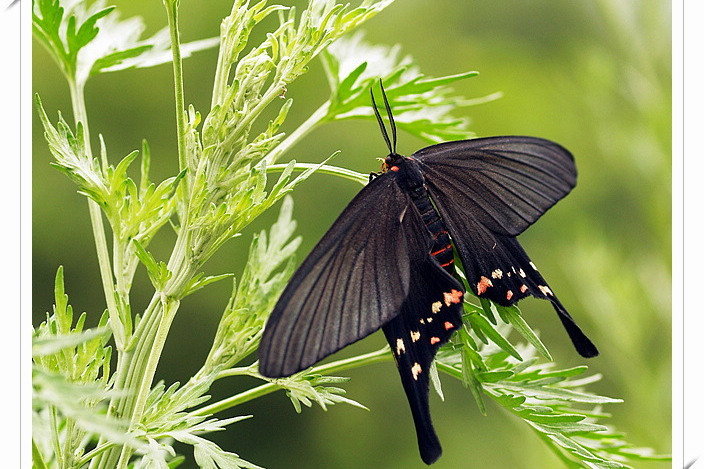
(353, 281)
(497, 268)
(505, 183)
(487, 191)
(429, 316)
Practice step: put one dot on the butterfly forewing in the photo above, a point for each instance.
(504, 183)
(353, 281)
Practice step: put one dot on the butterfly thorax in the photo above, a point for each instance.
(408, 174)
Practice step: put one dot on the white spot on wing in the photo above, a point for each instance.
(400, 346)
(497, 274)
(533, 265)
(415, 335)
(545, 289)
(523, 274)
(436, 307)
(416, 370)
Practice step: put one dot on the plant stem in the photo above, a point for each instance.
(169, 308)
(37, 458)
(324, 169)
(172, 16)
(318, 117)
(129, 373)
(53, 418)
(101, 448)
(380, 355)
(80, 115)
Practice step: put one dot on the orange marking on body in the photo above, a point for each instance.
(394, 169)
(448, 263)
(437, 235)
(441, 250)
(454, 297)
(448, 325)
(483, 284)
(509, 295)
(524, 288)
(434, 340)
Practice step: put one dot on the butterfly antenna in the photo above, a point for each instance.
(381, 122)
(391, 117)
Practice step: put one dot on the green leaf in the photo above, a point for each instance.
(308, 387)
(87, 31)
(421, 105)
(511, 315)
(51, 345)
(158, 272)
(200, 281)
(469, 378)
(435, 380)
(484, 329)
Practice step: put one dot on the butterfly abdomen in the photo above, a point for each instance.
(412, 180)
(441, 249)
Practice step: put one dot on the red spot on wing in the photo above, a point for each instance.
(448, 325)
(434, 340)
(524, 288)
(455, 296)
(483, 284)
(509, 295)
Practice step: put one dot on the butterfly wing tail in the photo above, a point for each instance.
(428, 317)
(581, 342)
(416, 385)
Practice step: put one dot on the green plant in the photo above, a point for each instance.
(86, 414)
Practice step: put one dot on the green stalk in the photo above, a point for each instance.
(37, 458)
(164, 307)
(172, 16)
(169, 308)
(89, 456)
(380, 355)
(324, 169)
(58, 453)
(106, 272)
(318, 117)
(80, 115)
(129, 373)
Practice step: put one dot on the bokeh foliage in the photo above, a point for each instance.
(593, 76)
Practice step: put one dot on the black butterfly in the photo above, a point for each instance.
(387, 261)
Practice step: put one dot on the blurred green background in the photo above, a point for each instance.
(591, 75)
